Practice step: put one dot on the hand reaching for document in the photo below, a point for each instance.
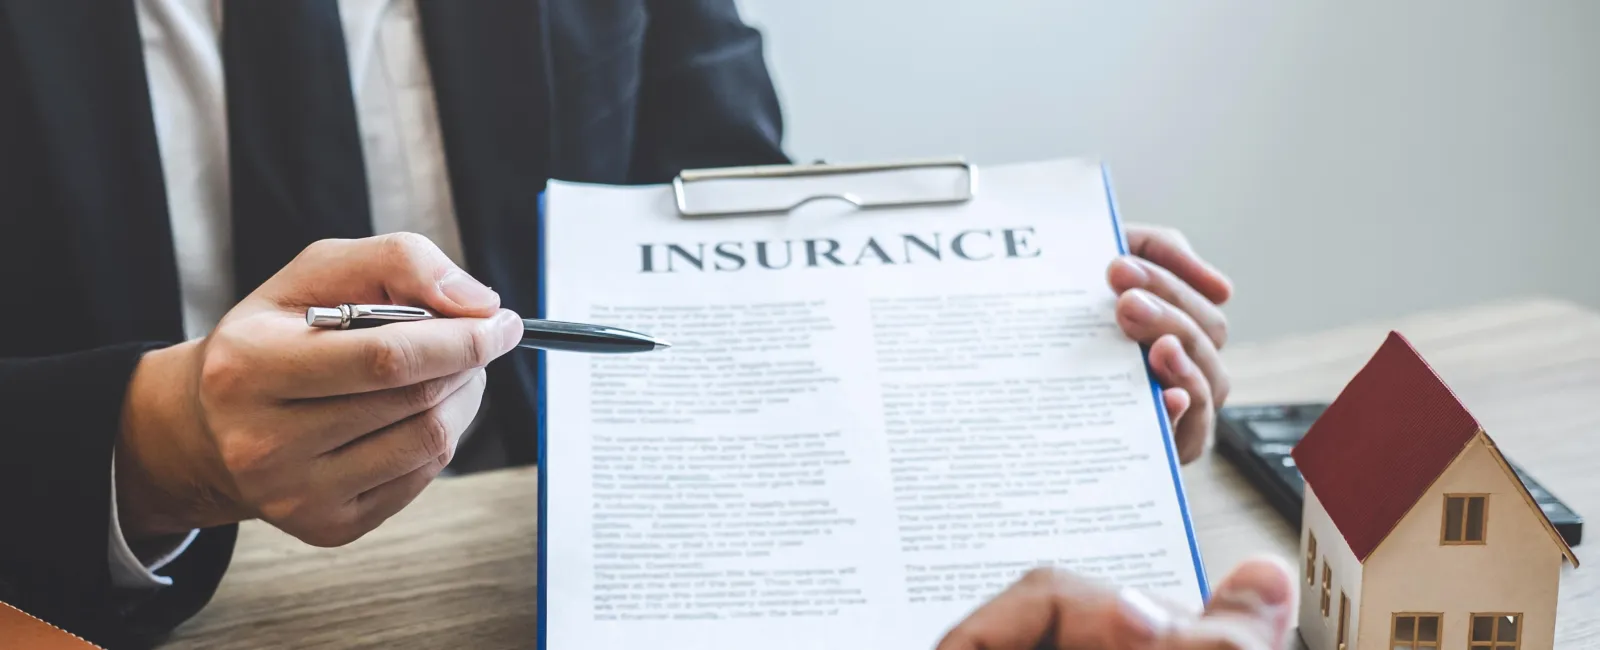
(1169, 299)
(1252, 609)
(322, 433)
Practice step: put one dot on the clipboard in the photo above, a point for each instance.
(932, 182)
(919, 183)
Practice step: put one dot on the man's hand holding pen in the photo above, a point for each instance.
(324, 434)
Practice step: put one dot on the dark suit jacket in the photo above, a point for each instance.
(615, 91)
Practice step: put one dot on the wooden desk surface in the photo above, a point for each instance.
(457, 568)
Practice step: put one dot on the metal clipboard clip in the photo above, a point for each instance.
(781, 189)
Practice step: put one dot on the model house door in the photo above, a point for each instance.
(1344, 621)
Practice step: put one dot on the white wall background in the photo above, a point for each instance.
(1342, 160)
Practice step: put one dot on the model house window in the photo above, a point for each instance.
(1496, 632)
(1416, 632)
(1311, 561)
(1344, 621)
(1465, 518)
(1327, 588)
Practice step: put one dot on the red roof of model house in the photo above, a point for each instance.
(1383, 442)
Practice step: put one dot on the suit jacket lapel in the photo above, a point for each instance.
(83, 66)
(491, 78)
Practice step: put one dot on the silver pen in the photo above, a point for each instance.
(537, 334)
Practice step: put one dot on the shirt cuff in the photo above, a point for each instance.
(127, 570)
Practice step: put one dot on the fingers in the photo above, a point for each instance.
(1169, 249)
(1130, 272)
(400, 268)
(297, 362)
(347, 522)
(1177, 403)
(1146, 317)
(335, 421)
(1193, 425)
(1055, 609)
(1253, 608)
(401, 448)
(377, 505)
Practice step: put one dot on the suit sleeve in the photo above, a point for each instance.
(61, 416)
(706, 98)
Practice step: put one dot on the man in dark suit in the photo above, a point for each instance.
(180, 179)
(160, 160)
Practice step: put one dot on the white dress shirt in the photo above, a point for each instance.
(400, 137)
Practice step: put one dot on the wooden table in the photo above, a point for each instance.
(457, 568)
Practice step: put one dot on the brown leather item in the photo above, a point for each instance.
(21, 630)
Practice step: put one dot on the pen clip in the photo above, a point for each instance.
(388, 312)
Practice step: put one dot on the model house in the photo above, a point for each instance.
(1416, 534)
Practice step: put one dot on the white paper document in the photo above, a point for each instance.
(870, 421)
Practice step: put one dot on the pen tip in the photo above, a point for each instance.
(662, 345)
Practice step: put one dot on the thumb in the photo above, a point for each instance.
(401, 268)
(1253, 607)
(1055, 609)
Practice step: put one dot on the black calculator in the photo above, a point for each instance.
(1258, 440)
